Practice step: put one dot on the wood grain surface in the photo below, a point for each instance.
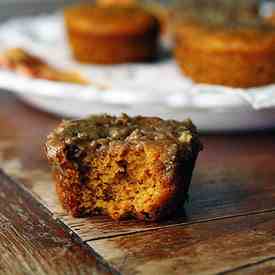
(203, 248)
(31, 242)
(232, 197)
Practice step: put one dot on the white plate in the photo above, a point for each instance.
(156, 89)
(230, 119)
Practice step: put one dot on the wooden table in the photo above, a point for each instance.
(228, 226)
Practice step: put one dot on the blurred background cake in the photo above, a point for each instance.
(228, 44)
(111, 34)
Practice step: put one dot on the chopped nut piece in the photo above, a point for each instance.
(185, 137)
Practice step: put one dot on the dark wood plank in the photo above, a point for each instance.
(234, 174)
(31, 242)
(264, 267)
(233, 245)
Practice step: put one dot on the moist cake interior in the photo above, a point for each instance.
(121, 181)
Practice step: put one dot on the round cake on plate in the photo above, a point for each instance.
(111, 34)
(226, 48)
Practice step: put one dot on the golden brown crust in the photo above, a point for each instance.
(102, 34)
(114, 20)
(140, 168)
(237, 52)
(160, 11)
(116, 2)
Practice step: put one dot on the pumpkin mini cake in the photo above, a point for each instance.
(111, 34)
(123, 167)
(218, 48)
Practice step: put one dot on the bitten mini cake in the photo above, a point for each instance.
(221, 48)
(123, 167)
(111, 34)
